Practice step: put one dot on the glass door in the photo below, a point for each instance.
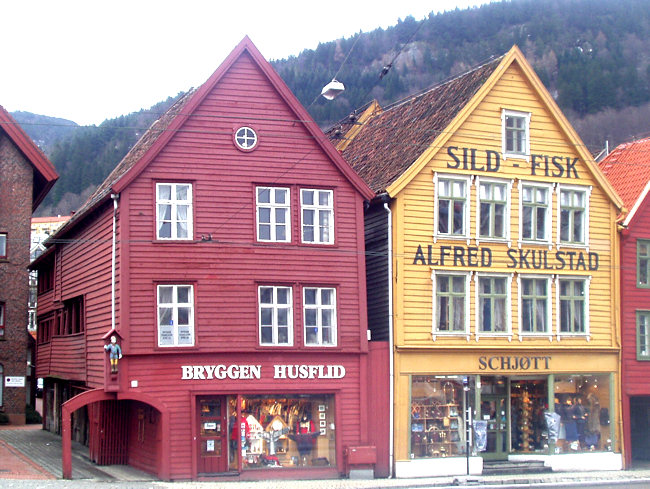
(494, 410)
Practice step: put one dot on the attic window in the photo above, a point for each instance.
(245, 138)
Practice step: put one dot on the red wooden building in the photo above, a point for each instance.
(628, 169)
(225, 255)
(26, 176)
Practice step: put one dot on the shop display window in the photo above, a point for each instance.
(287, 431)
(528, 404)
(582, 413)
(437, 416)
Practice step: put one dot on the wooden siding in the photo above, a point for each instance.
(414, 220)
(377, 261)
(636, 374)
(64, 357)
(227, 270)
(156, 377)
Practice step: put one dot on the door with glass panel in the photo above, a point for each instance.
(494, 410)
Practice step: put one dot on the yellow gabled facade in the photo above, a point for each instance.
(505, 289)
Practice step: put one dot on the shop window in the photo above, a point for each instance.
(275, 315)
(287, 431)
(493, 304)
(515, 134)
(494, 202)
(3, 245)
(320, 316)
(2, 319)
(317, 216)
(572, 297)
(451, 304)
(529, 400)
(175, 315)
(174, 211)
(582, 408)
(437, 417)
(574, 212)
(643, 263)
(452, 204)
(273, 216)
(535, 212)
(534, 305)
(642, 335)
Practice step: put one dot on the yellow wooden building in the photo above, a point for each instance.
(500, 291)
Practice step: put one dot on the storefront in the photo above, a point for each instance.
(506, 400)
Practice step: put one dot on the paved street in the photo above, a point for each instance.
(30, 458)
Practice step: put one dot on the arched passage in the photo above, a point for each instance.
(98, 395)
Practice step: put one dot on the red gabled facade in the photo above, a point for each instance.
(218, 315)
(628, 169)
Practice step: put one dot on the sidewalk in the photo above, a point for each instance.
(31, 453)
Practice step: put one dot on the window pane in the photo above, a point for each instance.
(264, 195)
(308, 197)
(443, 217)
(164, 192)
(165, 295)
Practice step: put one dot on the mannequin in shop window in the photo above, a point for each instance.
(305, 437)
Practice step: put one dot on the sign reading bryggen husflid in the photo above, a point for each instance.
(504, 259)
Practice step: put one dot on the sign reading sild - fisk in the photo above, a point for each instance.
(490, 161)
(481, 257)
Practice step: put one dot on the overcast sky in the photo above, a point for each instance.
(91, 60)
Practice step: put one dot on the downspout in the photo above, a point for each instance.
(116, 198)
(391, 360)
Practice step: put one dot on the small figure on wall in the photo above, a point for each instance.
(115, 353)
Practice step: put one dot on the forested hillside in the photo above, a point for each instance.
(593, 56)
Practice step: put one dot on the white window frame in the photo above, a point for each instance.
(273, 206)
(174, 203)
(558, 313)
(175, 306)
(575, 188)
(549, 212)
(478, 309)
(246, 138)
(317, 209)
(505, 113)
(643, 350)
(320, 308)
(466, 218)
(275, 307)
(506, 217)
(548, 313)
(434, 327)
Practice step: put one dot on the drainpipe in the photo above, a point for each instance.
(116, 198)
(391, 360)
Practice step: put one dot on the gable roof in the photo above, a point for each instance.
(627, 167)
(161, 132)
(45, 175)
(395, 145)
(394, 137)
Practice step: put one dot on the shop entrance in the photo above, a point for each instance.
(212, 435)
(494, 410)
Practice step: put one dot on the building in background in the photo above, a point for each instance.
(26, 175)
(500, 293)
(628, 169)
(203, 314)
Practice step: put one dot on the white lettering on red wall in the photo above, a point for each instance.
(254, 372)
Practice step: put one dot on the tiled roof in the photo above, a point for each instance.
(132, 157)
(392, 140)
(628, 170)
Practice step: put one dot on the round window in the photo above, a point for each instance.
(246, 138)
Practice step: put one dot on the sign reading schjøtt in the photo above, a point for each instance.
(254, 372)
